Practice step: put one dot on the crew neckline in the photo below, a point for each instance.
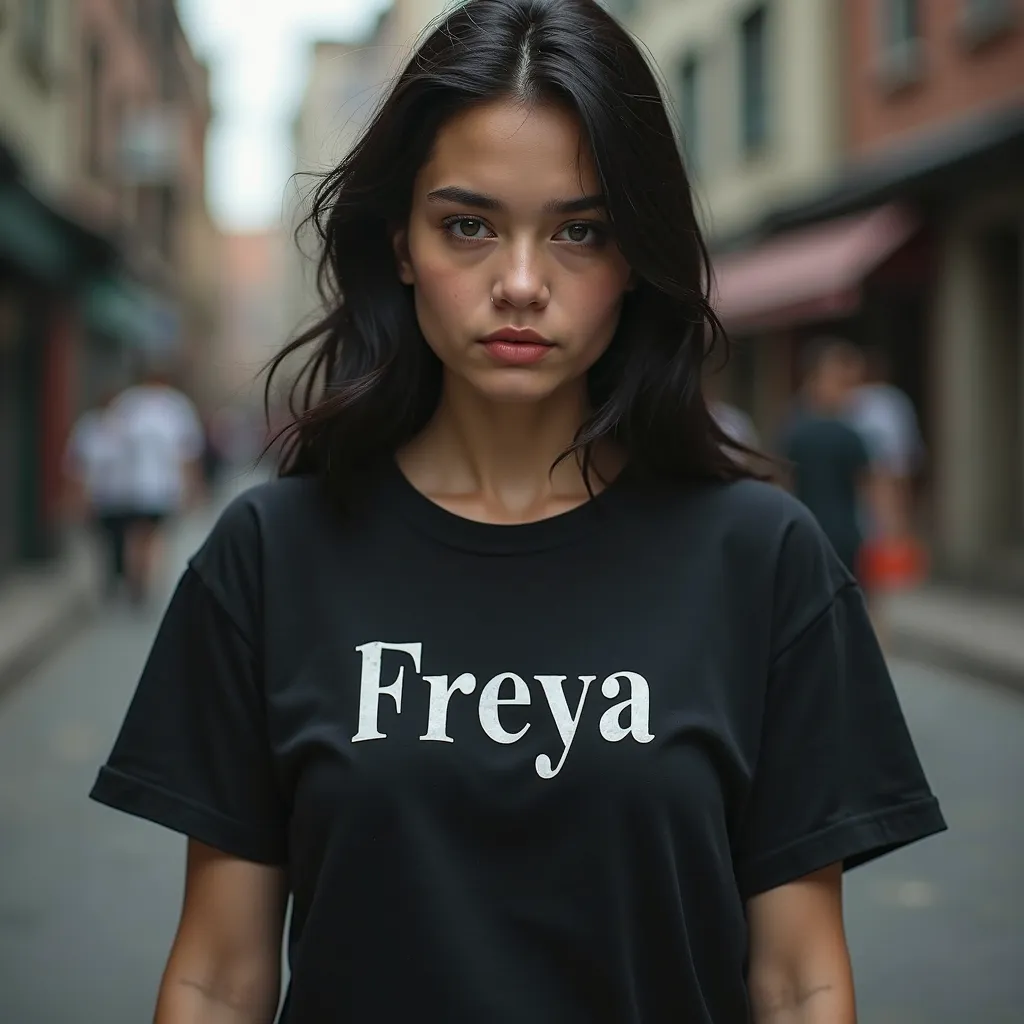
(571, 526)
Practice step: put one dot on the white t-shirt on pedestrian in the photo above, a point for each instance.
(162, 434)
(886, 419)
(95, 455)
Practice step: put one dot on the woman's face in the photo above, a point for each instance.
(518, 280)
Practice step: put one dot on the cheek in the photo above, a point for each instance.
(444, 290)
(597, 300)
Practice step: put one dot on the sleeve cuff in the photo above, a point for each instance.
(261, 844)
(854, 842)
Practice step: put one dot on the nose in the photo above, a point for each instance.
(522, 282)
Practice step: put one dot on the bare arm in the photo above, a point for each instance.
(799, 964)
(225, 965)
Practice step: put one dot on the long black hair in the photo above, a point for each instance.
(371, 383)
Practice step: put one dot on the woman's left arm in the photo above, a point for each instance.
(799, 964)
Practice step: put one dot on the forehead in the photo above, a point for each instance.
(523, 155)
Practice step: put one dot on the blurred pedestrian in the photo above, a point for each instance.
(828, 459)
(885, 417)
(163, 444)
(537, 704)
(95, 472)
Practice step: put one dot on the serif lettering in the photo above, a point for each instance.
(628, 718)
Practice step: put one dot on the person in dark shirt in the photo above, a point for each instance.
(828, 459)
(535, 703)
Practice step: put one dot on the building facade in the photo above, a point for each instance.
(143, 116)
(106, 249)
(253, 313)
(37, 62)
(46, 259)
(936, 94)
(345, 82)
(755, 96)
(757, 99)
(913, 245)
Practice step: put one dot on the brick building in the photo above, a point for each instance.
(47, 261)
(144, 114)
(937, 95)
(106, 247)
(915, 245)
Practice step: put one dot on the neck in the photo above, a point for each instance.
(824, 405)
(493, 461)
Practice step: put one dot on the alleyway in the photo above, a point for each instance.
(89, 897)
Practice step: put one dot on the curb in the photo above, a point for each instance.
(66, 594)
(930, 650)
(59, 628)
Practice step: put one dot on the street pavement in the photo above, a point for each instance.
(89, 897)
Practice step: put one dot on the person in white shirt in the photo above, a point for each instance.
(163, 444)
(94, 471)
(886, 419)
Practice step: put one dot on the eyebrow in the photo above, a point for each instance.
(479, 201)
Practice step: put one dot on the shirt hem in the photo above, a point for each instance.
(853, 842)
(153, 803)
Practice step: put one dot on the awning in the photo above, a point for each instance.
(815, 273)
(30, 237)
(120, 309)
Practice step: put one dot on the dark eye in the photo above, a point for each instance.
(468, 227)
(583, 233)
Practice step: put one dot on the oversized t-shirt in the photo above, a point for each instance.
(521, 773)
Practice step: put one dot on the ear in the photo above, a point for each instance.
(403, 262)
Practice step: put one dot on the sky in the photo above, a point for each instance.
(257, 52)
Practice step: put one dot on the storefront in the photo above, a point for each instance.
(45, 261)
(862, 277)
(920, 253)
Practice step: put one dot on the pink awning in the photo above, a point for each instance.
(813, 273)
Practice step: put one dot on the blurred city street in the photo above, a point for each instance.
(857, 167)
(90, 897)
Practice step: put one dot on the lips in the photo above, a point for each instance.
(515, 346)
(518, 335)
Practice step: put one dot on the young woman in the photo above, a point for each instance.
(535, 704)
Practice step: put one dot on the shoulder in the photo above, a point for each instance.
(806, 573)
(750, 522)
(770, 543)
(251, 527)
(265, 512)
(760, 511)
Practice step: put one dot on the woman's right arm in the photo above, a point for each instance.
(225, 965)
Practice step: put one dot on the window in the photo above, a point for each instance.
(93, 121)
(902, 27)
(754, 86)
(983, 20)
(33, 31)
(900, 62)
(689, 111)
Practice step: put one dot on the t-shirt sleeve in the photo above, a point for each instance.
(193, 753)
(837, 777)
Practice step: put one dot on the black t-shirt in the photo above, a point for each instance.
(521, 773)
(829, 460)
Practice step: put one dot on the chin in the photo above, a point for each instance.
(515, 387)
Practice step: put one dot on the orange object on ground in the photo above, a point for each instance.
(892, 564)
